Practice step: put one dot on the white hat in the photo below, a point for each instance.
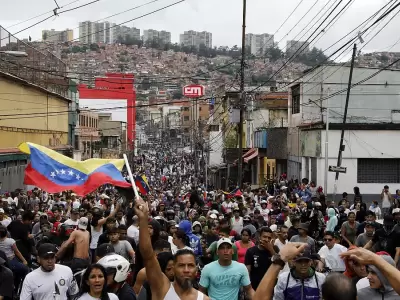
(83, 223)
(213, 216)
(1, 211)
(273, 227)
(224, 241)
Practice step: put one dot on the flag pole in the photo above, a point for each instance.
(131, 176)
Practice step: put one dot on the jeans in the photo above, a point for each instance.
(385, 211)
(19, 270)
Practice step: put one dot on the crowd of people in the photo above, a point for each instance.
(186, 241)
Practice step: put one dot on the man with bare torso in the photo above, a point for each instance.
(80, 239)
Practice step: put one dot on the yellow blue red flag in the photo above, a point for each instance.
(142, 185)
(54, 172)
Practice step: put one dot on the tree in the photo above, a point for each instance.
(94, 47)
(274, 53)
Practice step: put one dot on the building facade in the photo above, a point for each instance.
(194, 38)
(371, 130)
(96, 32)
(121, 32)
(55, 36)
(293, 46)
(259, 43)
(163, 37)
(88, 136)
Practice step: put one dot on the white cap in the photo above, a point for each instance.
(1, 211)
(76, 204)
(273, 227)
(83, 223)
(224, 241)
(213, 216)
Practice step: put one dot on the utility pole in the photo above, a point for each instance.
(242, 99)
(327, 145)
(341, 146)
(196, 141)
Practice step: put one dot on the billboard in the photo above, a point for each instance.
(193, 91)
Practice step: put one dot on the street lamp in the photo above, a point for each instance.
(15, 53)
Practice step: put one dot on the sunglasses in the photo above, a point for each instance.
(328, 240)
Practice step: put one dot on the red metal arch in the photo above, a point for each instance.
(116, 86)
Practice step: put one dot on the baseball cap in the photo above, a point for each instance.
(75, 211)
(47, 249)
(305, 255)
(224, 241)
(83, 223)
(1, 211)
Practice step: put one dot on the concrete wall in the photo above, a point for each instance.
(370, 102)
(42, 118)
(359, 144)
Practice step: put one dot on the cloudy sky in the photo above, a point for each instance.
(221, 17)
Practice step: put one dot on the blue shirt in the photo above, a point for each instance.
(224, 283)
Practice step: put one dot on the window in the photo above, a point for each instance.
(296, 99)
(200, 108)
(186, 109)
(378, 170)
(214, 128)
(186, 118)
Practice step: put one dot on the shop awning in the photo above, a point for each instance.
(250, 152)
(251, 156)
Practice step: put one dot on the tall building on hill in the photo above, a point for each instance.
(57, 36)
(162, 36)
(96, 32)
(124, 31)
(259, 43)
(194, 38)
(293, 46)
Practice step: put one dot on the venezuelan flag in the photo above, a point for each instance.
(142, 185)
(54, 172)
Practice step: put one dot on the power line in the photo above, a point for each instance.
(49, 17)
(45, 13)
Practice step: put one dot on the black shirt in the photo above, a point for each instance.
(259, 260)
(126, 292)
(6, 282)
(19, 232)
(388, 242)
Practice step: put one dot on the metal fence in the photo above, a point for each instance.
(39, 67)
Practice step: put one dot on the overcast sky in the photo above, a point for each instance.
(221, 17)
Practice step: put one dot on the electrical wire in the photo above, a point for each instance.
(49, 17)
(45, 13)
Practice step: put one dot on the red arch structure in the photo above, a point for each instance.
(116, 86)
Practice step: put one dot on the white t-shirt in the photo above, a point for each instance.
(385, 201)
(174, 248)
(133, 232)
(70, 222)
(5, 222)
(332, 258)
(40, 285)
(86, 296)
(279, 244)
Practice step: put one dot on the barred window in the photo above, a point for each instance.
(296, 99)
(378, 170)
